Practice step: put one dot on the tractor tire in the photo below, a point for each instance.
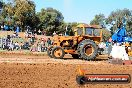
(58, 52)
(49, 51)
(75, 56)
(87, 49)
(80, 80)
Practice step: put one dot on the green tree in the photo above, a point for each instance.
(51, 21)
(118, 15)
(71, 27)
(98, 19)
(3, 12)
(22, 12)
(106, 34)
(114, 18)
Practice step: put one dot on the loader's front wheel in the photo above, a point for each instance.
(58, 52)
(49, 51)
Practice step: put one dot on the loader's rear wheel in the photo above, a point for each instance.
(49, 51)
(58, 53)
(87, 49)
(75, 56)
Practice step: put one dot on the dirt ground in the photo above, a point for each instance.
(40, 71)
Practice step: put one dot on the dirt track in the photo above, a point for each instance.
(20, 71)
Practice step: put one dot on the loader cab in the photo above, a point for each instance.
(93, 31)
(88, 30)
(85, 31)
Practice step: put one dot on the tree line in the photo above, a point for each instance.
(23, 13)
(111, 22)
(114, 18)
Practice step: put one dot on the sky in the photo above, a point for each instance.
(83, 10)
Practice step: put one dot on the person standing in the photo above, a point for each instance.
(109, 49)
(49, 42)
(39, 47)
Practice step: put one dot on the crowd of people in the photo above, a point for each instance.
(41, 45)
(32, 43)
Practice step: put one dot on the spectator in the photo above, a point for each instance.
(11, 46)
(7, 42)
(17, 46)
(26, 46)
(17, 36)
(49, 42)
(6, 27)
(109, 49)
(17, 29)
(11, 28)
(31, 41)
(43, 32)
(39, 47)
(3, 43)
(21, 45)
(44, 46)
(39, 32)
(0, 42)
(14, 35)
(54, 33)
(26, 34)
(33, 48)
(102, 46)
